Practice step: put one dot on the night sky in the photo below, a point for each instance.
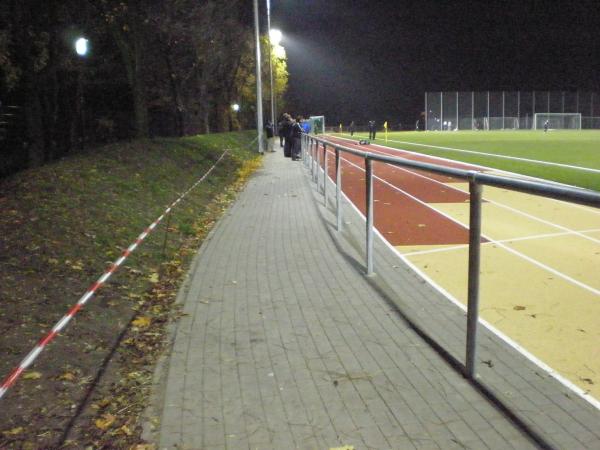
(357, 60)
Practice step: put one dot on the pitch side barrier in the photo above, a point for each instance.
(314, 152)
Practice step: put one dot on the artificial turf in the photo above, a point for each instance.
(580, 149)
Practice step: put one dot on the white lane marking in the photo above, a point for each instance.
(485, 168)
(493, 202)
(510, 342)
(494, 155)
(527, 238)
(505, 247)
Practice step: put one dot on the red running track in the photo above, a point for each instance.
(401, 197)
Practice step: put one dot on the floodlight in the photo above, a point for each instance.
(279, 52)
(275, 36)
(81, 46)
(235, 107)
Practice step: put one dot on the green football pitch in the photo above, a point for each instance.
(571, 157)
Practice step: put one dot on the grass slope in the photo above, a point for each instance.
(576, 148)
(61, 226)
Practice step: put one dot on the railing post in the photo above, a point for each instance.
(305, 150)
(316, 164)
(319, 164)
(475, 190)
(369, 203)
(325, 176)
(338, 189)
(312, 159)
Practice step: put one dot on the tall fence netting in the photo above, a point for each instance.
(507, 110)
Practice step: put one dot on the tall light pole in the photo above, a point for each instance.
(81, 48)
(274, 40)
(259, 112)
(271, 63)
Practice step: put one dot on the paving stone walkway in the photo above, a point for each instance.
(285, 344)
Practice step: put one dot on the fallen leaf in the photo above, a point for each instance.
(67, 376)
(125, 430)
(142, 322)
(101, 403)
(421, 225)
(13, 432)
(105, 422)
(143, 447)
(153, 278)
(32, 376)
(519, 308)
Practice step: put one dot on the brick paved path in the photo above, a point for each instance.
(285, 344)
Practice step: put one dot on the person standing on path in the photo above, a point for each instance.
(269, 129)
(296, 134)
(280, 130)
(352, 127)
(372, 130)
(286, 130)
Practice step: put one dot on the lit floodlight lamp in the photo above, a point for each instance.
(275, 36)
(235, 107)
(279, 52)
(81, 46)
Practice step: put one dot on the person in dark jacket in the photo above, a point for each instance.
(269, 129)
(372, 130)
(280, 130)
(352, 128)
(286, 132)
(296, 135)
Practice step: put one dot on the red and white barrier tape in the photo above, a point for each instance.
(62, 323)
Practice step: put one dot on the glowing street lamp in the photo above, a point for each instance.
(81, 46)
(235, 107)
(275, 36)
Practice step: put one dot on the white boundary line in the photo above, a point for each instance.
(500, 244)
(484, 168)
(493, 202)
(514, 158)
(527, 238)
(510, 342)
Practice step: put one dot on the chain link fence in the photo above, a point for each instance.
(507, 110)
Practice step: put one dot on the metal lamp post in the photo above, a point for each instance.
(259, 112)
(81, 48)
(274, 40)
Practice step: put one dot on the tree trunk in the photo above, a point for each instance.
(131, 54)
(176, 96)
(138, 87)
(35, 128)
(205, 105)
(222, 117)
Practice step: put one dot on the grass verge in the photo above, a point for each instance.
(63, 224)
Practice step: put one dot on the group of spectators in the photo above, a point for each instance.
(290, 132)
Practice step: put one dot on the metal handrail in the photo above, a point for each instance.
(310, 150)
